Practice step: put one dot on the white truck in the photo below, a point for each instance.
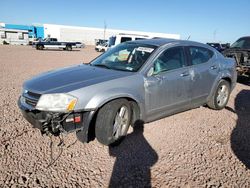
(120, 38)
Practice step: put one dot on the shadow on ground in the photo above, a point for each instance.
(240, 137)
(134, 157)
(73, 50)
(244, 80)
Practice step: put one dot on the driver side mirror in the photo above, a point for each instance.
(150, 72)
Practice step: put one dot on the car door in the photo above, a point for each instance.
(204, 70)
(49, 44)
(55, 43)
(52, 43)
(167, 89)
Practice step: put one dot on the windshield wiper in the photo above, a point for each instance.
(101, 65)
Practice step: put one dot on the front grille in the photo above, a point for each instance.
(31, 102)
(31, 98)
(36, 95)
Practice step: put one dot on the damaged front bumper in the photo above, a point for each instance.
(56, 123)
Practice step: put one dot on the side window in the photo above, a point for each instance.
(200, 55)
(170, 59)
(139, 38)
(124, 39)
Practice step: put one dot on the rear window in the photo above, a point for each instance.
(200, 55)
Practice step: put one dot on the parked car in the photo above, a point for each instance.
(225, 45)
(217, 46)
(80, 45)
(101, 45)
(136, 81)
(240, 51)
(100, 41)
(53, 43)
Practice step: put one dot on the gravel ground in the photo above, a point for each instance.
(196, 148)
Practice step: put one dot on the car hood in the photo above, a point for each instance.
(71, 78)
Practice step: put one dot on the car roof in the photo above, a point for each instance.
(154, 42)
(213, 43)
(246, 37)
(162, 41)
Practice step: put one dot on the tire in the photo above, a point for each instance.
(221, 96)
(39, 47)
(69, 48)
(112, 122)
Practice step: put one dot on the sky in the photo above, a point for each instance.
(202, 21)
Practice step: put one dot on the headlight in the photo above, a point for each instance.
(56, 102)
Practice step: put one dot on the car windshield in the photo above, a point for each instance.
(241, 43)
(125, 57)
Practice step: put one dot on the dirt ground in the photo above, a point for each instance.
(196, 148)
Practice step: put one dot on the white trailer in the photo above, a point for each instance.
(88, 35)
(14, 36)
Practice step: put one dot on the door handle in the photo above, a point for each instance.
(213, 67)
(159, 78)
(184, 74)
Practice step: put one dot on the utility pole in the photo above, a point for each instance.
(105, 27)
(214, 35)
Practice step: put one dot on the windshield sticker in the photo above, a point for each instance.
(145, 49)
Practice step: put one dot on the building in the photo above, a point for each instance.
(86, 35)
(35, 31)
(89, 34)
(14, 36)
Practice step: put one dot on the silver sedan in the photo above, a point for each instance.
(133, 83)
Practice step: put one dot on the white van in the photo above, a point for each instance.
(120, 38)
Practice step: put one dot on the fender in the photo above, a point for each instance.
(102, 98)
(222, 75)
(98, 100)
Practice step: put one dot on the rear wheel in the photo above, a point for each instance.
(221, 96)
(39, 47)
(113, 121)
(68, 48)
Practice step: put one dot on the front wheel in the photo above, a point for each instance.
(113, 121)
(221, 96)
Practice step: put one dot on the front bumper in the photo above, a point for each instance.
(57, 123)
